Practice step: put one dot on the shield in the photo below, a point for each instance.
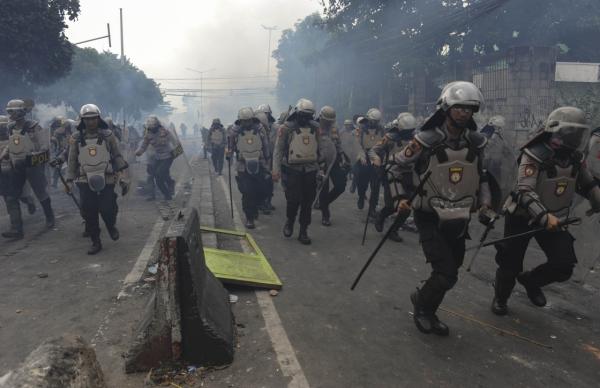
(500, 162)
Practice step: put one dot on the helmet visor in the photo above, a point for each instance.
(571, 136)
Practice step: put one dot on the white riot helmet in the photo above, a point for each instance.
(327, 113)
(348, 123)
(569, 128)
(245, 116)
(16, 109)
(305, 106)
(374, 114)
(264, 108)
(89, 111)
(406, 120)
(153, 123)
(461, 93)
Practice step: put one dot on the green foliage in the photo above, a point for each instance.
(102, 79)
(34, 49)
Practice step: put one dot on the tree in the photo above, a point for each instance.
(34, 48)
(103, 79)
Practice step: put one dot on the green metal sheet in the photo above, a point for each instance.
(240, 268)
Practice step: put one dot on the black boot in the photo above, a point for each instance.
(379, 222)
(303, 235)
(438, 327)
(48, 212)
(113, 232)
(250, 223)
(31, 209)
(534, 292)
(373, 215)
(96, 246)
(360, 204)
(288, 228)
(420, 317)
(394, 236)
(503, 286)
(326, 221)
(16, 223)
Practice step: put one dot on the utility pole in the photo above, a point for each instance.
(122, 46)
(107, 36)
(270, 29)
(201, 72)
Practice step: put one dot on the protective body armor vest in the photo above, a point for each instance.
(94, 161)
(20, 145)
(217, 136)
(249, 145)
(371, 137)
(303, 147)
(555, 184)
(5, 165)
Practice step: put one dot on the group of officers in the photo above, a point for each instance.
(95, 161)
(436, 170)
(444, 160)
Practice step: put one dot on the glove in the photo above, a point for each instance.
(69, 186)
(57, 162)
(124, 184)
(487, 215)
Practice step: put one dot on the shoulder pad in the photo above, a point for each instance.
(313, 124)
(430, 137)
(106, 132)
(476, 139)
(30, 124)
(76, 135)
(539, 151)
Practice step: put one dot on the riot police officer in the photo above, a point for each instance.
(95, 165)
(296, 160)
(265, 115)
(334, 161)
(371, 132)
(163, 144)
(60, 132)
(449, 150)
(551, 172)
(28, 151)
(594, 155)
(397, 181)
(251, 148)
(205, 142)
(217, 139)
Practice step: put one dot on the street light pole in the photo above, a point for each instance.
(201, 72)
(270, 29)
(122, 46)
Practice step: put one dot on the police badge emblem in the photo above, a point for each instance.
(306, 140)
(17, 140)
(561, 188)
(92, 151)
(529, 170)
(372, 137)
(250, 141)
(456, 174)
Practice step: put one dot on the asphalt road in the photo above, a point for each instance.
(366, 337)
(340, 338)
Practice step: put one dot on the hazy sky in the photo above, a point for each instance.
(164, 37)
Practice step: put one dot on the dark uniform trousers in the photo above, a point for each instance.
(558, 247)
(253, 188)
(217, 155)
(94, 204)
(445, 253)
(337, 176)
(300, 193)
(368, 176)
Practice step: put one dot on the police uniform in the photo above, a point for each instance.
(335, 170)
(456, 187)
(94, 163)
(251, 148)
(163, 144)
(548, 179)
(296, 158)
(218, 140)
(28, 152)
(397, 181)
(367, 174)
